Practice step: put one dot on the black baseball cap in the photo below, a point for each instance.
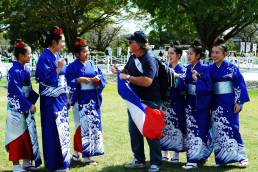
(138, 36)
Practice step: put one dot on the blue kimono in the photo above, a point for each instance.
(54, 115)
(174, 132)
(20, 99)
(88, 99)
(229, 89)
(198, 102)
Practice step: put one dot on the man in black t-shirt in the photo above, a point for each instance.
(141, 71)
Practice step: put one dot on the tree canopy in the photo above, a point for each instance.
(31, 19)
(209, 19)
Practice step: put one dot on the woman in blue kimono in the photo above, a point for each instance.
(174, 133)
(21, 137)
(230, 94)
(198, 102)
(53, 103)
(86, 82)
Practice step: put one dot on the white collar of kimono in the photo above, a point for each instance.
(23, 66)
(175, 65)
(218, 66)
(192, 67)
(85, 63)
(56, 55)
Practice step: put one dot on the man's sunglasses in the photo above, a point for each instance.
(130, 42)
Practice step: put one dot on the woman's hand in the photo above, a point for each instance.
(237, 108)
(194, 75)
(60, 65)
(95, 81)
(83, 80)
(33, 109)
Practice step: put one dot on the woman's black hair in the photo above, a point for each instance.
(177, 48)
(79, 45)
(219, 42)
(197, 47)
(20, 48)
(54, 35)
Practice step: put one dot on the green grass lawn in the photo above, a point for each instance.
(117, 143)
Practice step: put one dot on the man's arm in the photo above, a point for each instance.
(142, 81)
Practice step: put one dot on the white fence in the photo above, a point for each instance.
(105, 62)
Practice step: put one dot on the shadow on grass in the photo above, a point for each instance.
(41, 169)
(166, 167)
(77, 164)
(170, 167)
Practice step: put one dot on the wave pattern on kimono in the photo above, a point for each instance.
(54, 115)
(64, 133)
(92, 139)
(174, 133)
(34, 138)
(19, 117)
(198, 102)
(87, 99)
(229, 88)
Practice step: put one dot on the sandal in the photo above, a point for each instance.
(76, 157)
(189, 166)
(89, 161)
(165, 158)
(174, 160)
(243, 163)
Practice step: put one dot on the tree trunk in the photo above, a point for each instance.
(70, 35)
(207, 42)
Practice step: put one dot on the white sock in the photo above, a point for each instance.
(76, 153)
(17, 168)
(26, 163)
(165, 153)
(176, 155)
(86, 159)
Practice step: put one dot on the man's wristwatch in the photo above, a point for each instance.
(128, 77)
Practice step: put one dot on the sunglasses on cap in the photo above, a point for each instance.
(130, 42)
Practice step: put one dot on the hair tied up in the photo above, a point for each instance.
(57, 31)
(20, 44)
(218, 41)
(196, 43)
(79, 42)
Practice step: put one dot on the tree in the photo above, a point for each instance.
(31, 19)
(165, 34)
(249, 33)
(101, 37)
(210, 19)
(231, 45)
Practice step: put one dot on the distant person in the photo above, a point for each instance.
(160, 54)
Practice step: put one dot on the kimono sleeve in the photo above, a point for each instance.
(101, 77)
(180, 83)
(241, 94)
(204, 84)
(16, 97)
(71, 78)
(46, 73)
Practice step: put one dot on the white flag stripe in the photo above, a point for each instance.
(137, 115)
